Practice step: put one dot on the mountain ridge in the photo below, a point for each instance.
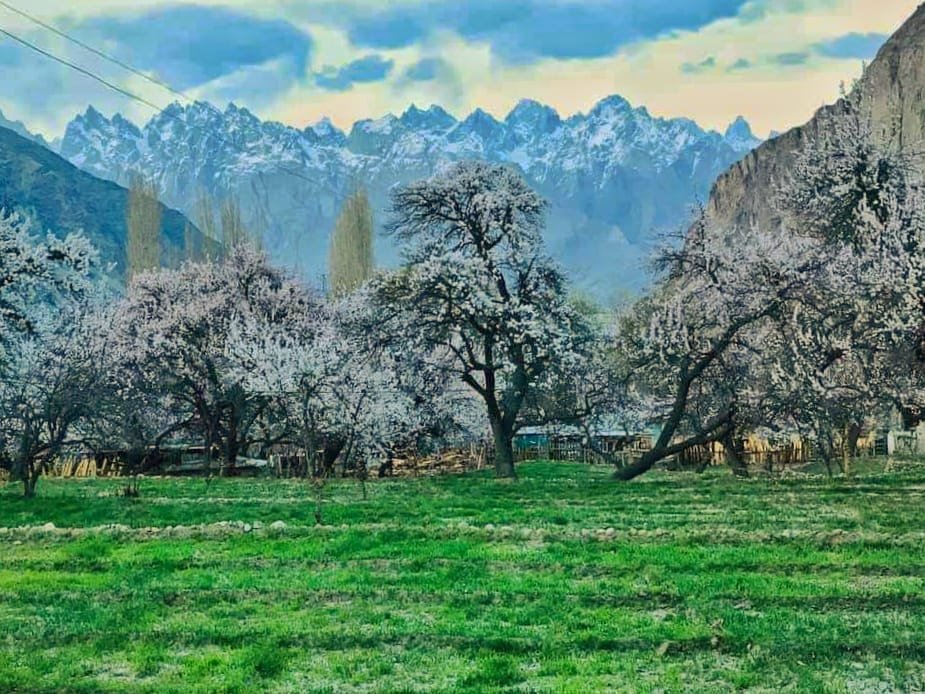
(893, 87)
(612, 175)
(60, 198)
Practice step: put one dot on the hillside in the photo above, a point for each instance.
(61, 198)
(614, 177)
(894, 90)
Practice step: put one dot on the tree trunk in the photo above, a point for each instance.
(232, 446)
(734, 456)
(331, 451)
(854, 433)
(640, 467)
(310, 448)
(663, 448)
(504, 449)
(827, 449)
(30, 477)
(846, 451)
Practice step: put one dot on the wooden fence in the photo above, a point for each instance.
(614, 451)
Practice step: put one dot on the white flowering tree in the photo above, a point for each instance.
(812, 328)
(687, 347)
(290, 364)
(51, 387)
(340, 390)
(47, 378)
(34, 272)
(477, 289)
(852, 348)
(419, 402)
(171, 333)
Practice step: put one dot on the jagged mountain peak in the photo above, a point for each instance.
(324, 132)
(383, 125)
(93, 117)
(122, 123)
(434, 118)
(531, 117)
(739, 128)
(480, 117)
(740, 136)
(484, 127)
(611, 104)
(612, 175)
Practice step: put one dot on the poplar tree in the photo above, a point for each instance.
(143, 221)
(350, 261)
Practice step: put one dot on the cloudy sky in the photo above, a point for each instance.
(773, 61)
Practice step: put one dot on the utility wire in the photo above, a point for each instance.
(87, 47)
(125, 92)
(81, 70)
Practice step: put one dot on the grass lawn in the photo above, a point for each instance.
(561, 581)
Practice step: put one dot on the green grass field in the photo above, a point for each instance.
(561, 581)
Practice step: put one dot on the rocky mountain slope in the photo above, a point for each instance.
(61, 198)
(20, 129)
(894, 99)
(613, 176)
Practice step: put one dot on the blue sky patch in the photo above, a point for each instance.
(853, 46)
(522, 31)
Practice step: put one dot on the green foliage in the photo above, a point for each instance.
(350, 260)
(558, 582)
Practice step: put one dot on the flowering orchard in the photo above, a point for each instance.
(814, 328)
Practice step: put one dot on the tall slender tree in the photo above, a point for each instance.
(205, 218)
(234, 231)
(350, 262)
(143, 220)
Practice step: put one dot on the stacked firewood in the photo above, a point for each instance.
(85, 467)
(450, 462)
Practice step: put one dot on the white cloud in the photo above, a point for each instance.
(770, 96)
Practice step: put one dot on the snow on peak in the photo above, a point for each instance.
(739, 135)
(531, 116)
(434, 118)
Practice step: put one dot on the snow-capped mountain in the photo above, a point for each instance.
(614, 177)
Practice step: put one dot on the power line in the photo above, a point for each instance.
(81, 70)
(125, 92)
(87, 47)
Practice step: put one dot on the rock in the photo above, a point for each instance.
(894, 85)
(49, 528)
(278, 525)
